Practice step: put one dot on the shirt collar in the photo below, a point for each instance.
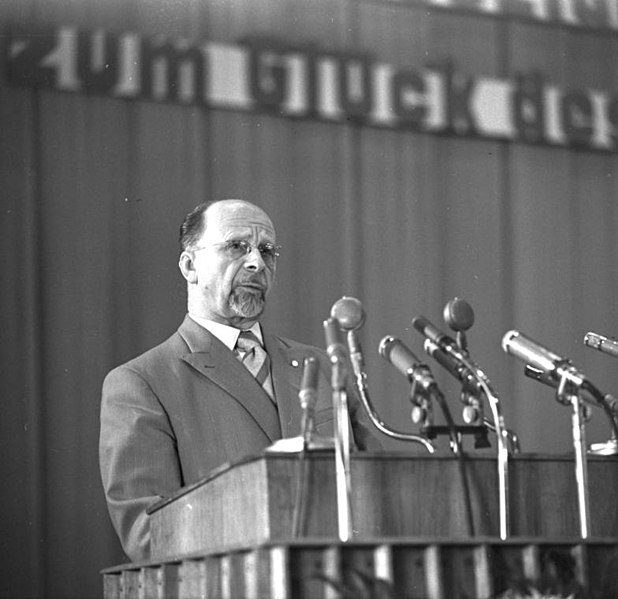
(226, 334)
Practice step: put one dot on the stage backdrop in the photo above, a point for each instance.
(408, 154)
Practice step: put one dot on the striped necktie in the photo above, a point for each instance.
(254, 357)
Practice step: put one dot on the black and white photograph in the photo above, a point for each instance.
(309, 299)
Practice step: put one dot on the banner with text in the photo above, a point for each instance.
(264, 74)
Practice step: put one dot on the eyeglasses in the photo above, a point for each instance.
(237, 248)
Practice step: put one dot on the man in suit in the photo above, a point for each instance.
(203, 398)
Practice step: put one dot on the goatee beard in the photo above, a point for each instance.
(247, 303)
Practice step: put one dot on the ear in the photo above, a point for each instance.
(187, 267)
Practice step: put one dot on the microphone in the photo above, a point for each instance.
(401, 357)
(459, 316)
(423, 326)
(454, 367)
(308, 395)
(309, 386)
(349, 312)
(603, 344)
(336, 352)
(537, 356)
(444, 343)
(334, 346)
(546, 366)
(351, 316)
(530, 352)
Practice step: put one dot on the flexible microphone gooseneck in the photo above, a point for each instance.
(351, 316)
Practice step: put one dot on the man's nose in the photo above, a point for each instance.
(254, 260)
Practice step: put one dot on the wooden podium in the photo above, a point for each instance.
(230, 535)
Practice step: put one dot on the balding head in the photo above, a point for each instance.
(196, 221)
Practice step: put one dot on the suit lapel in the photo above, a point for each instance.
(213, 359)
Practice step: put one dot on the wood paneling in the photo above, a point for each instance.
(393, 495)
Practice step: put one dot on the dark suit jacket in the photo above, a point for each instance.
(187, 406)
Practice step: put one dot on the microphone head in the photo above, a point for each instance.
(311, 369)
(424, 327)
(602, 343)
(332, 333)
(458, 314)
(507, 339)
(420, 323)
(529, 351)
(399, 355)
(592, 340)
(349, 312)
(385, 346)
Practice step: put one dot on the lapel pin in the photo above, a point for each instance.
(295, 363)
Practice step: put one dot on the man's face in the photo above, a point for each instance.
(230, 285)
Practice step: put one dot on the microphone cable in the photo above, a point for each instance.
(423, 383)
(462, 465)
(602, 400)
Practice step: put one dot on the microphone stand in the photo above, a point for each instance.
(504, 442)
(569, 393)
(342, 430)
(304, 444)
(462, 358)
(606, 346)
(342, 450)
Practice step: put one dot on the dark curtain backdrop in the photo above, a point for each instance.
(94, 188)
